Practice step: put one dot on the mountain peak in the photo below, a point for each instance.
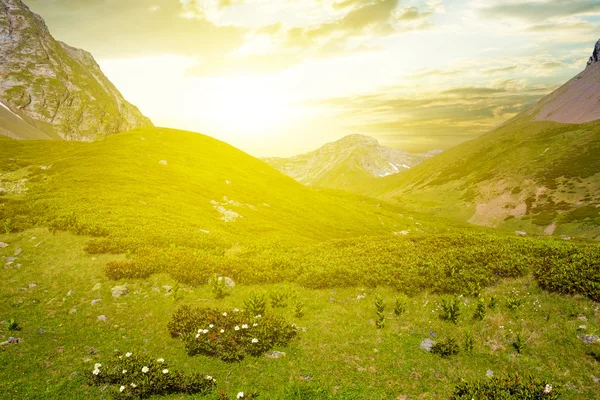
(595, 54)
(358, 139)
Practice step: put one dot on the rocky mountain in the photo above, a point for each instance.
(347, 162)
(538, 173)
(60, 88)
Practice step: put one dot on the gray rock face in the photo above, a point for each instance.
(119, 291)
(595, 54)
(56, 88)
(351, 157)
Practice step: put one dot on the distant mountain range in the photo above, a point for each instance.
(346, 163)
(539, 172)
(50, 90)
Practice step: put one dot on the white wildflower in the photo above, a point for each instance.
(548, 389)
(240, 395)
(235, 310)
(255, 325)
(122, 388)
(97, 365)
(237, 328)
(133, 385)
(124, 371)
(128, 354)
(208, 377)
(161, 360)
(96, 371)
(258, 316)
(165, 371)
(145, 369)
(205, 331)
(224, 314)
(245, 326)
(255, 340)
(211, 326)
(197, 335)
(222, 330)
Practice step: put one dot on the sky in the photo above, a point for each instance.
(283, 77)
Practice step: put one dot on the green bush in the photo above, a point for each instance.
(380, 309)
(511, 387)
(12, 325)
(446, 348)
(571, 272)
(229, 335)
(450, 309)
(278, 298)
(256, 303)
(218, 287)
(299, 309)
(400, 305)
(133, 376)
(480, 309)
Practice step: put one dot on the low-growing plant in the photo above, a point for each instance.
(469, 342)
(514, 301)
(229, 335)
(299, 309)
(134, 376)
(218, 286)
(278, 298)
(480, 309)
(450, 309)
(493, 302)
(446, 348)
(380, 309)
(519, 343)
(510, 387)
(240, 395)
(255, 304)
(12, 325)
(400, 306)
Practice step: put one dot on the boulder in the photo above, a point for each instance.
(427, 344)
(102, 318)
(3, 245)
(119, 291)
(274, 354)
(229, 282)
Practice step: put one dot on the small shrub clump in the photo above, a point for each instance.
(278, 298)
(510, 387)
(229, 335)
(480, 310)
(218, 286)
(133, 376)
(469, 342)
(400, 306)
(380, 309)
(450, 309)
(299, 309)
(13, 325)
(446, 348)
(514, 301)
(256, 304)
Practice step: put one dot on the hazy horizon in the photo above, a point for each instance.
(416, 75)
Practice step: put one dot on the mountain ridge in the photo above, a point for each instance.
(61, 88)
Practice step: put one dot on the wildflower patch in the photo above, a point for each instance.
(229, 335)
(134, 376)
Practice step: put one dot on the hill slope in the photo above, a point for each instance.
(347, 162)
(529, 174)
(61, 88)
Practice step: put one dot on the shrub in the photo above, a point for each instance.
(572, 272)
(450, 309)
(299, 309)
(117, 270)
(493, 302)
(446, 348)
(480, 309)
(510, 387)
(140, 376)
(400, 306)
(229, 335)
(255, 304)
(12, 325)
(380, 309)
(469, 342)
(217, 286)
(518, 344)
(278, 298)
(514, 301)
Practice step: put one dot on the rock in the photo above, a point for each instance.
(589, 339)
(427, 344)
(96, 301)
(520, 233)
(361, 296)
(10, 259)
(581, 317)
(66, 89)
(18, 251)
(73, 311)
(489, 373)
(168, 288)
(307, 378)
(119, 291)
(596, 379)
(102, 318)
(582, 327)
(32, 285)
(595, 54)
(229, 282)
(3, 245)
(41, 331)
(70, 292)
(274, 354)
(96, 287)
(12, 340)
(163, 162)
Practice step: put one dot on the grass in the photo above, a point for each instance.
(340, 352)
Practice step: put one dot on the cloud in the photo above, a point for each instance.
(534, 11)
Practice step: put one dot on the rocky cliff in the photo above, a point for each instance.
(62, 89)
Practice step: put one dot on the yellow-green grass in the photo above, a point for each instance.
(341, 351)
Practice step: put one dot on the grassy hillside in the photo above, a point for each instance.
(539, 177)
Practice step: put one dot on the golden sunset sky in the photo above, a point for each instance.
(282, 77)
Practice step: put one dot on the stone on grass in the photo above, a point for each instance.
(18, 251)
(489, 373)
(97, 286)
(274, 354)
(41, 330)
(3, 245)
(581, 317)
(96, 301)
(582, 327)
(32, 285)
(168, 288)
(229, 282)
(119, 291)
(163, 162)
(589, 339)
(73, 311)
(520, 233)
(102, 318)
(427, 344)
